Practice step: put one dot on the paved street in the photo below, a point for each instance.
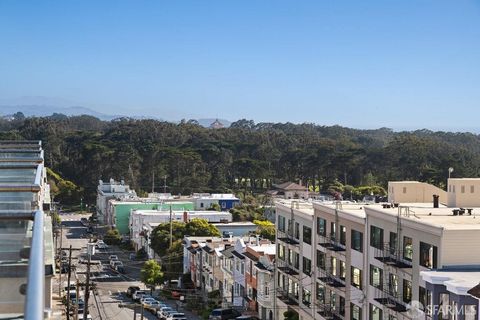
(110, 286)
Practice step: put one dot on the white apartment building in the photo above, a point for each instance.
(108, 191)
(371, 261)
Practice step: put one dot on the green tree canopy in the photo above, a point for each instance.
(151, 274)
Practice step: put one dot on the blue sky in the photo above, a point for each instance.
(410, 64)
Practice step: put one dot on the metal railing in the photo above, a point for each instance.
(35, 298)
(34, 307)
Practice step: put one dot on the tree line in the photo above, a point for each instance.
(247, 156)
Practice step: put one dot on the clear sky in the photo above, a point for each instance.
(395, 63)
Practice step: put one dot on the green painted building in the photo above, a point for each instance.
(121, 210)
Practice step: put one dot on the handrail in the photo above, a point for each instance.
(35, 299)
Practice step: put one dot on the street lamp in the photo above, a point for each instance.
(450, 170)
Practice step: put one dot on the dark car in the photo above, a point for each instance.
(223, 314)
(247, 318)
(131, 290)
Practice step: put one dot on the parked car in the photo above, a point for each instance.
(146, 298)
(115, 263)
(112, 257)
(84, 221)
(119, 268)
(101, 245)
(177, 316)
(131, 290)
(247, 318)
(153, 305)
(222, 314)
(138, 294)
(163, 312)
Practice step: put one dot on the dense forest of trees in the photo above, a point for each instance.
(247, 156)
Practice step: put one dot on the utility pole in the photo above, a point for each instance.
(141, 310)
(135, 313)
(78, 297)
(68, 281)
(61, 250)
(171, 227)
(87, 285)
(164, 184)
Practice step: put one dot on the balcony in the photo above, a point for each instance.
(287, 268)
(287, 237)
(390, 299)
(331, 243)
(329, 312)
(288, 298)
(392, 257)
(330, 279)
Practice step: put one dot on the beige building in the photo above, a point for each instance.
(414, 192)
(370, 261)
(463, 192)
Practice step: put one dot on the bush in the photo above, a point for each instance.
(112, 237)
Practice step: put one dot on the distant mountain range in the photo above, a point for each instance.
(47, 110)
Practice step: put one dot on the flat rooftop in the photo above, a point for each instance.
(458, 282)
(303, 206)
(354, 209)
(442, 217)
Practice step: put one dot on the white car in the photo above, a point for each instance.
(101, 245)
(147, 298)
(163, 312)
(177, 316)
(153, 304)
(138, 295)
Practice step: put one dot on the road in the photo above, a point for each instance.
(104, 302)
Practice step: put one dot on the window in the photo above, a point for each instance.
(281, 251)
(333, 230)
(333, 266)
(407, 248)
(470, 311)
(321, 227)
(296, 257)
(356, 277)
(472, 189)
(306, 297)
(404, 189)
(462, 188)
(407, 291)
(356, 312)
(376, 237)
(453, 188)
(393, 284)
(281, 223)
(428, 255)
(320, 293)
(290, 227)
(343, 272)
(375, 313)
(357, 240)
(333, 300)
(297, 230)
(376, 277)
(444, 306)
(425, 298)
(393, 242)
(321, 260)
(201, 204)
(341, 306)
(290, 256)
(307, 235)
(307, 266)
(242, 265)
(343, 235)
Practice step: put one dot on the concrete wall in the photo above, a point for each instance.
(414, 192)
(463, 192)
(460, 247)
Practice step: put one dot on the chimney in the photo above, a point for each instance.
(435, 200)
(185, 216)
